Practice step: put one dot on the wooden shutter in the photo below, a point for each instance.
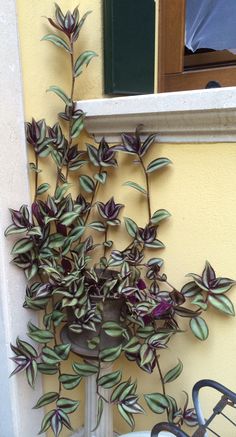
(129, 46)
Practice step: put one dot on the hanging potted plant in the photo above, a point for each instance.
(104, 298)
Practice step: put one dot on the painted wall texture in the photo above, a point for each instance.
(199, 190)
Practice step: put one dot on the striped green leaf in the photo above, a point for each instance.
(156, 244)
(110, 379)
(36, 230)
(101, 177)
(131, 226)
(132, 346)
(67, 405)
(70, 382)
(46, 422)
(47, 369)
(190, 289)
(129, 390)
(31, 373)
(157, 402)
(135, 186)
(222, 303)
(49, 356)
(77, 127)
(112, 329)
(199, 300)
(199, 328)
(41, 336)
(68, 218)
(22, 246)
(82, 61)
(99, 413)
(84, 369)
(27, 349)
(93, 154)
(76, 233)
(110, 354)
(173, 373)
(46, 399)
(97, 226)
(58, 41)
(56, 241)
(13, 230)
(126, 416)
(42, 188)
(159, 215)
(60, 93)
(123, 390)
(87, 183)
(63, 350)
(157, 164)
(146, 354)
(65, 419)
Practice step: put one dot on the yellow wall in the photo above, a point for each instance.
(199, 190)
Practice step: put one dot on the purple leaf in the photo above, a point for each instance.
(161, 309)
(221, 285)
(109, 210)
(208, 275)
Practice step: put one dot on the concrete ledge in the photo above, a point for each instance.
(190, 116)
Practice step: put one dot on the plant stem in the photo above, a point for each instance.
(162, 382)
(167, 283)
(70, 117)
(72, 99)
(97, 378)
(36, 175)
(92, 199)
(56, 344)
(105, 240)
(72, 71)
(160, 374)
(147, 188)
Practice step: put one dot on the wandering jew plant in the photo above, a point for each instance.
(74, 269)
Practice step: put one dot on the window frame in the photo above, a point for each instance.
(171, 73)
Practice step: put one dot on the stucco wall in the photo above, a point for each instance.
(199, 190)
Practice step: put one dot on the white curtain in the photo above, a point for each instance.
(211, 24)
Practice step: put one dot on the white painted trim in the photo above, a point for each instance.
(105, 427)
(187, 116)
(16, 397)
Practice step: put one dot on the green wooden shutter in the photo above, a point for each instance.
(129, 46)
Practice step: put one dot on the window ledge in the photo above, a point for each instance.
(188, 116)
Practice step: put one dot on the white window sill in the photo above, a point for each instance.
(188, 116)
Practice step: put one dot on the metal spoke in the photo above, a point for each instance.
(228, 418)
(213, 432)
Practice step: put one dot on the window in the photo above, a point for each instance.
(182, 69)
(129, 46)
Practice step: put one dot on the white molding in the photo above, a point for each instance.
(105, 427)
(16, 397)
(187, 116)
